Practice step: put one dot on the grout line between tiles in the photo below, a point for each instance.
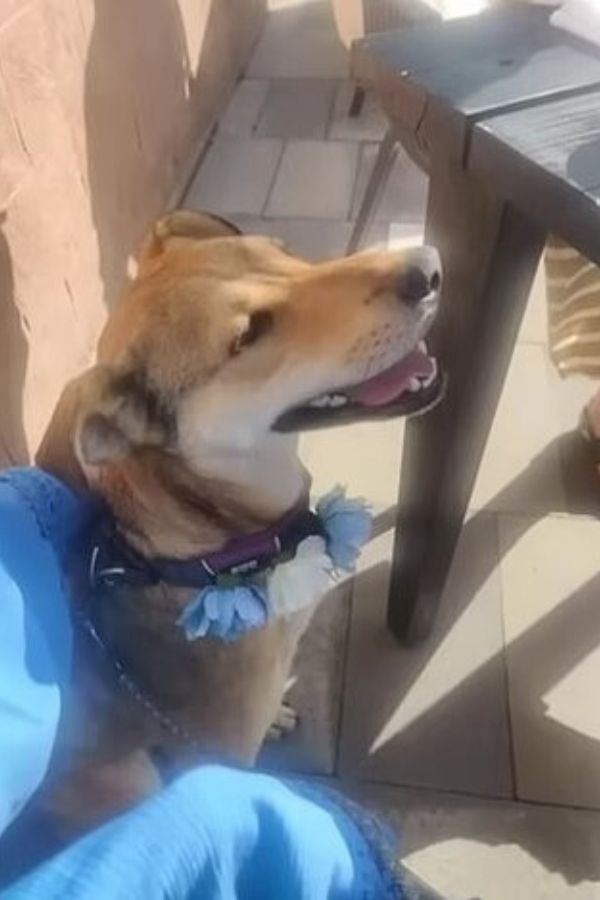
(286, 142)
(311, 220)
(468, 795)
(262, 107)
(371, 781)
(284, 145)
(534, 516)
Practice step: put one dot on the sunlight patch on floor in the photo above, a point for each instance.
(444, 672)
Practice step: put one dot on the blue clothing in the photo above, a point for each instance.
(215, 833)
(39, 517)
(218, 834)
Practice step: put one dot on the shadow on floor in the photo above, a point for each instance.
(578, 616)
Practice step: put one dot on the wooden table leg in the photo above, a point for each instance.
(490, 253)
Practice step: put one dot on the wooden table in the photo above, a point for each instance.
(507, 111)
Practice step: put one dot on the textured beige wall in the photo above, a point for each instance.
(349, 19)
(102, 105)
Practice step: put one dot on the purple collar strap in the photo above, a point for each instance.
(236, 589)
(114, 562)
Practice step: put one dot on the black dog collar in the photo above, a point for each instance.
(114, 562)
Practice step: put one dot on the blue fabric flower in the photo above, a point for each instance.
(347, 523)
(229, 611)
(225, 612)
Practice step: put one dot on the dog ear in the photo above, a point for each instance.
(184, 223)
(119, 413)
(56, 453)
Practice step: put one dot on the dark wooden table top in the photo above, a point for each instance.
(524, 99)
(546, 160)
(491, 61)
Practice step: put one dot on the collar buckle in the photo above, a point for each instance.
(111, 576)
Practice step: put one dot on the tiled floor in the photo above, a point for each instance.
(484, 744)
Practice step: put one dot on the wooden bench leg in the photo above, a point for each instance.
(378, 179)
(358, 101)
(490, 253)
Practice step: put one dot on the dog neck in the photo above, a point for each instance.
(169, 507)
(166, 508)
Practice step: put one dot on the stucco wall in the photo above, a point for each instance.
(102, 107)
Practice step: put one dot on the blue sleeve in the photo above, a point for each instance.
(38, 516)
(219, 834)
(215, 834)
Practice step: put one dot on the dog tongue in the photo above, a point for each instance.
(392, 382)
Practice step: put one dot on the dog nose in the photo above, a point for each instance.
(421, 277)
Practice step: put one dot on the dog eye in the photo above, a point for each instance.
(259, 324)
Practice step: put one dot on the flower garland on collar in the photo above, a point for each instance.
(235, 605)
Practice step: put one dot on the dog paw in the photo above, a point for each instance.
(286, 721)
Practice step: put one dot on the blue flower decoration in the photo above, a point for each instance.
(347, 525)
(228, 611)
(225, 612)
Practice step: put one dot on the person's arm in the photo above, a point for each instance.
(220, 834)
(38, 518)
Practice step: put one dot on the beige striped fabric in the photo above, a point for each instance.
(384, 15)
(388, 15)
(573, 288)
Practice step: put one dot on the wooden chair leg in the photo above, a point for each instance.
(357, 103)
(490, 253)
(377, 182)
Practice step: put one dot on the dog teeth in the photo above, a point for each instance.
(329, 401)
(414, 384)
(429, 379)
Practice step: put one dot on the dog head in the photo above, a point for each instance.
(222, 337)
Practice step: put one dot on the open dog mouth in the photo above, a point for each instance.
(410, 387)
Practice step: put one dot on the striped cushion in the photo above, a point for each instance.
(573, 288)
(384, 15)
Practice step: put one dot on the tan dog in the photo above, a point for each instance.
(213, 344)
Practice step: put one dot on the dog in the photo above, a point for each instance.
(221, 349)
